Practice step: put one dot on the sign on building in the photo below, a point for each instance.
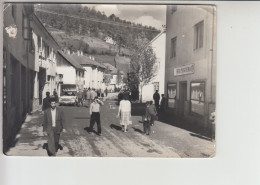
(184, 70)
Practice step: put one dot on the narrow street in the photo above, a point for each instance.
(165, 140)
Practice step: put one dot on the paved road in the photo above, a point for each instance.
(165, 140)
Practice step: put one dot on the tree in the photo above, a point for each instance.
(143, 66)
(119, 78)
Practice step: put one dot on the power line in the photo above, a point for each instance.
(94, 20)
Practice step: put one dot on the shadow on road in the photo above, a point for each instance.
(113, 126)
(138, 130)
(89, 131)
(184, 124)
(200, 136)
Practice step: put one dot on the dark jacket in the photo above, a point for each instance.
(156, 96)
(152, 110)
(47, 123)
(46, 103)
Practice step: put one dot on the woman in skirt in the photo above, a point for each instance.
(125, 113)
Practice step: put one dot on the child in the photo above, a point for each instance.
(153, 113)
(146, 120)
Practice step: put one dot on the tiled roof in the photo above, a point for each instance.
(71, 60)
(85, 60)
(112, 69)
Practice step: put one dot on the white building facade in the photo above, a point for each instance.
(158, 82)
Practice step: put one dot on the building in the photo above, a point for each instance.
(190, 69)
(45, 53)
(109, 40)
(116, 77)
(18, 68)
(157, 83)
(93, 71)
(69, 71)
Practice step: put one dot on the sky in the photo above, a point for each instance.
(150, 15)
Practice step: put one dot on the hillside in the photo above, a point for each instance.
(74, 19)
(88, 44)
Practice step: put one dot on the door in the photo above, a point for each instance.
(183, 97)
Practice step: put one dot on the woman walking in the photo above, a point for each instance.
(125, 113)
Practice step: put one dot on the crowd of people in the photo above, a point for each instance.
(88, 95)
(53, 116)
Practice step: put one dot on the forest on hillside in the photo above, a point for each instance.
(79, 21)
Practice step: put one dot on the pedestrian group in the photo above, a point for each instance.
(54, 117)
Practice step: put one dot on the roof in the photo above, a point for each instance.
(39, 23)
(85, 60)
(113, 69)
(156, 37)
(71, 60)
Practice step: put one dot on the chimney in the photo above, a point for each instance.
(81, 53)
(78, 53)
(68, 51)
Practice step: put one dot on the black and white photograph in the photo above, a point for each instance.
(109, 80)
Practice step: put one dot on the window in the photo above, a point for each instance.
(197, 91)
(172, 93)
(156, 86)
(26, 30)
(198, 35)
(173, 47)
(47, 51)
(39, 43)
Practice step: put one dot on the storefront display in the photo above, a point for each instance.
(172, 93)
(198, 97)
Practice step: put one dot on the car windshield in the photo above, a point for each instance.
(68, 93)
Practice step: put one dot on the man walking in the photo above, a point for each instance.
(94, 112)
(153, 112)
(85, 94)
(55, 94)
(46, 102)
(52, 127)
(156, 98)
(163, 104)
(93, 94)
(88, 96)
(80, 97)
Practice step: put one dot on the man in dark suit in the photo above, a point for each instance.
(156, 98)
(53, 126)
(46, 101)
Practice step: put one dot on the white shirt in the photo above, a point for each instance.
(95, 107)
(53, 117)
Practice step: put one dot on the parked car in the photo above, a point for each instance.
(68, 95)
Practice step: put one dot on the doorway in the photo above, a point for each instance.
(183, 97)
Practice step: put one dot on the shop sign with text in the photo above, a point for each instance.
(184, 70)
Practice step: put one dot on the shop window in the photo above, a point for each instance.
(173, 47)
(197, 97)
(172, 93)
(198, 35)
